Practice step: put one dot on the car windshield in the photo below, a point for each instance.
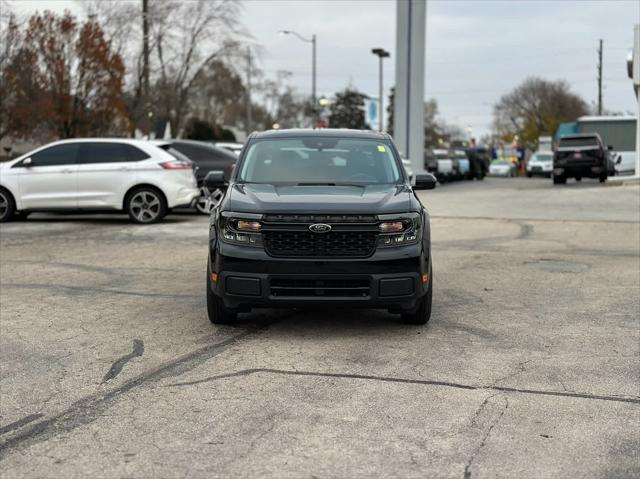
(541, 158)
(319, 161)
(499, 162)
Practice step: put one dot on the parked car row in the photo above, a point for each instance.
(456, 164)
(145, 179)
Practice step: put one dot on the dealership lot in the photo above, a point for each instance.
(529, 366)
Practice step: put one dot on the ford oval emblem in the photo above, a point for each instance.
(320, 228)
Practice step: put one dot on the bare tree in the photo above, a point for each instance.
(536, 107)
(189, 36)
(185, 38)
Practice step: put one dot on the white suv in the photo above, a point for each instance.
(134, 176)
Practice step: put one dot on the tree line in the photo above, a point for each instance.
(62, 76)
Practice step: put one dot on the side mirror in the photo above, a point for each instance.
(215, 180)
(425, 181)
(27, 162)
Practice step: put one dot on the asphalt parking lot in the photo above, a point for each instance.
(528, 368)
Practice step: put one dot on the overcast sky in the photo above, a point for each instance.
(476, 50)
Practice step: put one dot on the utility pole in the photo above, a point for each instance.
(145, 64)
(248, 93)
(600, 78)
(311, 40)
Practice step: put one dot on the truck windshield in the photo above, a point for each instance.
(577, 142)
(319, 161)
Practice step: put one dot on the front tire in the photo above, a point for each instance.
(216, 310)
(422, 313)
(7, 206)
(602, 179)
(146, 205)
(559, 180)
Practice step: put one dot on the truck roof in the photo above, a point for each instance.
(324, 132)
(606, 118)
(579, 135)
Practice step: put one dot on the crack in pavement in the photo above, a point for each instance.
(467, 468)
(81, 289)
(88, 409)
(521, 369)
(116, 367)
(108, 270)
(476, 415)
(247, 372)
(19, 423)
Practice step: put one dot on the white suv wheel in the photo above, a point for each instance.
(208, 200)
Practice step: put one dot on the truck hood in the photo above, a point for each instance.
(264, 198)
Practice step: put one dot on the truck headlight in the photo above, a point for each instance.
(400, 232)
(391, 226)
(240, 231)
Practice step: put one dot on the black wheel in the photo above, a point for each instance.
(559, 180)
(529, 174)
(422, 314)
(603, 179)
(208, 200)
(217, 312)
(578, 178)
(7, 206)
(146, 205)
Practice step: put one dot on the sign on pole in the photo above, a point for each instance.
(371, 117)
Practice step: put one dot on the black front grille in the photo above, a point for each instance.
(320, 287)
(335, 244)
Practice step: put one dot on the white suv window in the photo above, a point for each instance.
(65, 154)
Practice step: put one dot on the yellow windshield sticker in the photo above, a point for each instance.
(381, 149)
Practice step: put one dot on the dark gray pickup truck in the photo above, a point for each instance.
(581, 156)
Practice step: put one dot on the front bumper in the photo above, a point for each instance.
(393, 279)
(540, 169)
(579, 170)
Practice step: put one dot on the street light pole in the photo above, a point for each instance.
(381, 53)
(311, 40)
(313, 80)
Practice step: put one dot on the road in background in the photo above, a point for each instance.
(529, 366)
